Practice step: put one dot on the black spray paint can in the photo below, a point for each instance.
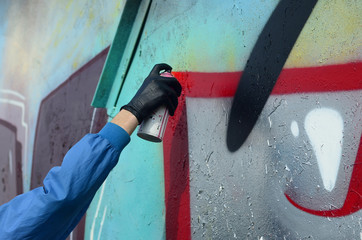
(153, 127)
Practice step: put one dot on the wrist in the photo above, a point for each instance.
(126, 120)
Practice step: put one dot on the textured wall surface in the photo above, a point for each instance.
(265, 144)
(297, 175)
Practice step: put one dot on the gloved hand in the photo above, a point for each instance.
(155, 92)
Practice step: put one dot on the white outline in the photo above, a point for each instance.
(8, 91)
(97, 210)
(93, 116)
(11, 163)
(102, 222)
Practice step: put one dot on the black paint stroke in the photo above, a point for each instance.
(265, 63)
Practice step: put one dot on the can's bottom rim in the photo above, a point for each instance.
(149, 137)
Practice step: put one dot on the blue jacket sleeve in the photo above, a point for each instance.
(52, 211)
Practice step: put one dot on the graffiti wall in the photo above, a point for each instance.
(266, 141)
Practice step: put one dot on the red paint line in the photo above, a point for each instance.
(177, 181)
(209, 85)
(332, 78)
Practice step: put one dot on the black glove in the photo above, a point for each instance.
(155, 92)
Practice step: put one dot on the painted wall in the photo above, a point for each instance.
(294, 176)
(265, 144)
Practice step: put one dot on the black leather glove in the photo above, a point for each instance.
(155, 92)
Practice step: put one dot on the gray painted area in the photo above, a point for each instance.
(10, 163)
(241, 195)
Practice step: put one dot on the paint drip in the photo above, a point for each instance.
(153, 127)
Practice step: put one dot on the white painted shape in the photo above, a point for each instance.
(97, 210)
(270, 122)
(92, 122)
(324, 127)
(11, 162)
(287, 168)
(102, 222)
(294, 128)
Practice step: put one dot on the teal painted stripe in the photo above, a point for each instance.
(109, 81)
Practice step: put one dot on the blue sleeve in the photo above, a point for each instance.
(52, 211)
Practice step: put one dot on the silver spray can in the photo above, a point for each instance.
(153, 127)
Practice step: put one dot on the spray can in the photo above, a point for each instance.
(153, 127)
